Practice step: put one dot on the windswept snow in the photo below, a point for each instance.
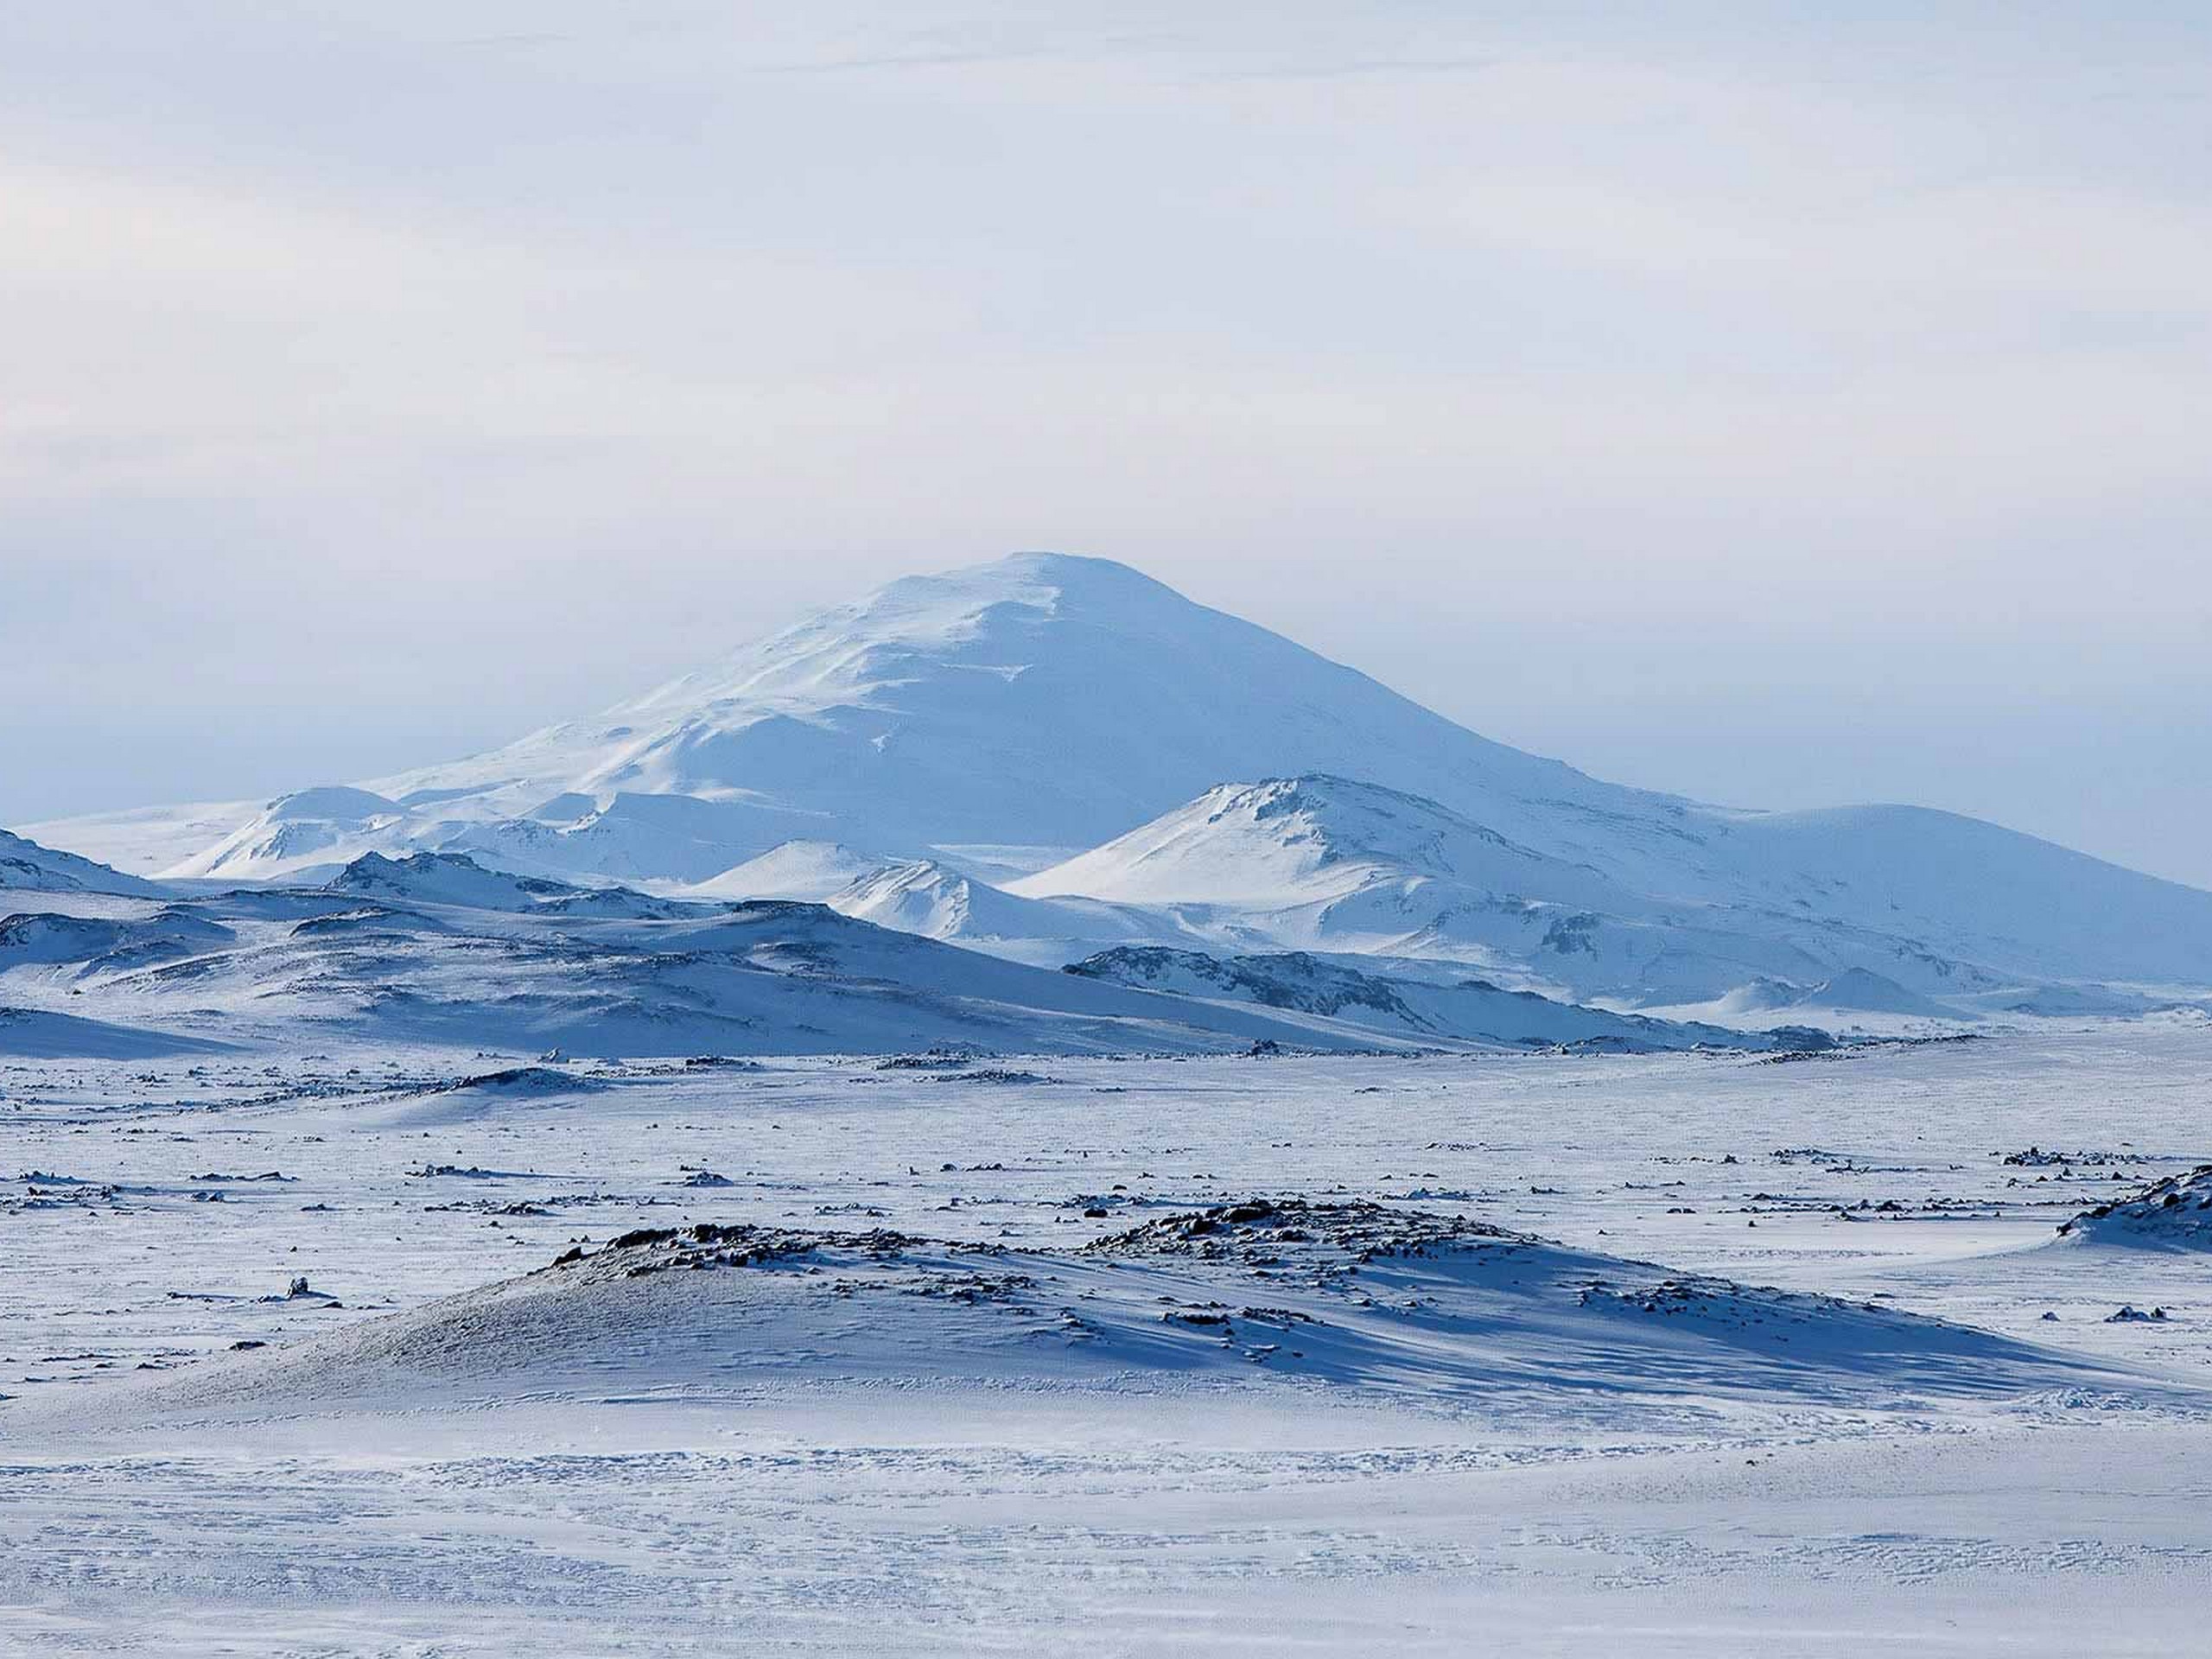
(1859, 991)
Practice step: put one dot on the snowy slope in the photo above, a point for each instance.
(27, 866)
(1291, 843)
(145, 841)
(1857, 990)
(1322, 863)
(1050, 701)
(41, 1034)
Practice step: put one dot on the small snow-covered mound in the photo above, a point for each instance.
(808, 870)
(1858, 990)
(466, 1099)
(2172, 1214)
(937, 902)
(1760, 995)
(1357, 1296)
(2079, 1002)
(444, 879)
(524, 1080)
(619, 904)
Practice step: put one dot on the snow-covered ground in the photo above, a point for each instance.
(970, 1357)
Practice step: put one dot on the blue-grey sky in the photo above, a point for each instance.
(1781, 403)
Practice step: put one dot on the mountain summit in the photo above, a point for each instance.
(1041, 699)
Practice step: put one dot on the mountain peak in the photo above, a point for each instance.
(1042, 699)
(1072, 568)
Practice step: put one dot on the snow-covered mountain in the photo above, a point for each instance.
(1330, 864)
(1052, 703)
(1042, 700)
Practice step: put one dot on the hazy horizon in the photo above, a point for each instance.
(1776, 408)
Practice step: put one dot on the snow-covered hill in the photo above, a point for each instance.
(436, 950)
(1051, 701)
(1329, 864)
(307, 830)
(41, 1034)
(26, 866)
(811, 870)
(1362, 1299)
(924, 896)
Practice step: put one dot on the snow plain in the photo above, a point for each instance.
(990, 1436)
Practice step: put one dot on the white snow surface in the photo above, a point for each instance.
(1681, 1354)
